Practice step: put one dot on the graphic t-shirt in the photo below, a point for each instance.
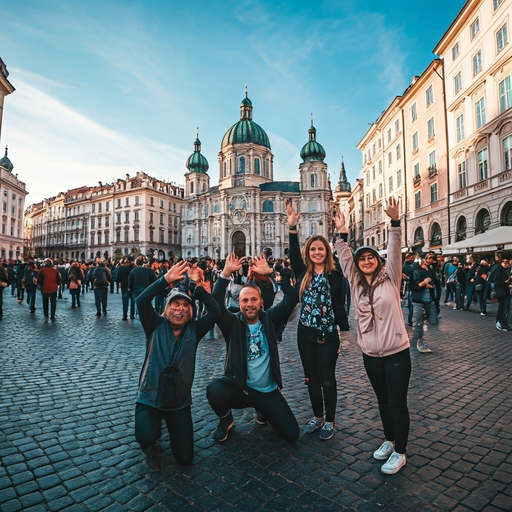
(258, 360)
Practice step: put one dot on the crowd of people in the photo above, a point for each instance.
(179, 302)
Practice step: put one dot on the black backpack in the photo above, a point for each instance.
(100, 278)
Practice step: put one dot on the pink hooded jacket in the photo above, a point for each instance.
(382, 332)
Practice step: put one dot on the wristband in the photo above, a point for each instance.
(293, 228)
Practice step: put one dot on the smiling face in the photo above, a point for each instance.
(317, 252)
(250, 303)
(368, 263)
(178, 312)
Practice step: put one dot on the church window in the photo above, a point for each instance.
(241, 165)
(256, 166)
(190, 212)
(204, 187)
(216, 207)
(191, 187)
(313, 206)
(312, 228)
(313, 181)
(225, 169)
(268, 206)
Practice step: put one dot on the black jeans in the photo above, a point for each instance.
(390, 377)
(148, 429)
(319, 363)
(52, 297)
(225, 393)
(100, 298)
(502, 313)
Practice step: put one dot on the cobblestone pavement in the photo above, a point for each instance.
(67, 425)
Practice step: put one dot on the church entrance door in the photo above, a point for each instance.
(238, 244)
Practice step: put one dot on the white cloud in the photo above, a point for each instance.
(54, 148)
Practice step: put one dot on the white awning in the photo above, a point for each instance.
(484, 242)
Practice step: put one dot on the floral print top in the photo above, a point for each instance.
(316, 308)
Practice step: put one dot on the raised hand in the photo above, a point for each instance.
(391, 208)
(293, 217)
(232, 264)
(339, 222)
(176, 272)
(260, 265)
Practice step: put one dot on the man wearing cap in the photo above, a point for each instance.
(423, 290)
(252, 376)
(168, 371)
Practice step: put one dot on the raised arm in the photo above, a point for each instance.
(394, 259)
(296, 262)
(341, 246)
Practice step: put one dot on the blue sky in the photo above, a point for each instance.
(105, 88)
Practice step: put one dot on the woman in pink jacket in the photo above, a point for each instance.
(381, 332)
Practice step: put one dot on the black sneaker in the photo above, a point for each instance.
(260, 419)
(225, 425)
(153, 460)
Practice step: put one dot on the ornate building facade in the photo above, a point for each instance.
(245, 212)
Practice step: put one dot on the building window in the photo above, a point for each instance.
(257, 166)
(119, 203)
(475, 28)
(460, 128)
(136, 235)
(415, 141)
(367, 174)
(99, 222)
(268, 206)
(416, 171)
(216, 207)
(313, 206)
(107, 238)
(477, 63)
(373, 171)
(161, 218)
(430, 95)
(414, 113)
(505, 91)
(502, 38)
(431, 128)
(397, 127)
(507, 152)
(390, 159)
(107, 207)
(127, 201)
(390, 184)
(118, 218)
(93, 223)
(417, 200)
(99, 238)
(152, 201)
(480, 112)
(457, 82)
(126, 235)
(482, 164)
(433, 193)
(136, 199)
(399, 179)
(497, 3)
(380, 166)
(432, 160)
(461, 169)
(313, 180)
(455, 51)
(118, 236)
(127, 217)
(398, 152)
(380, 190)
(191, 189)
(389, 135)
(374, 195)
(241, 165)
(137, 216)
(93, 208)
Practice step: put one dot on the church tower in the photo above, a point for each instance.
(315, 196)
(197, 180)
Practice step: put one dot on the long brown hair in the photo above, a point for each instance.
(329, 266)
(362, 276)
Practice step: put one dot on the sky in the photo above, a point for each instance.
(112, 87)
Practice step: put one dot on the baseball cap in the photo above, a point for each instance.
(175, 294)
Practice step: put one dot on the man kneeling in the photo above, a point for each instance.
(168, 372)
(252, 377)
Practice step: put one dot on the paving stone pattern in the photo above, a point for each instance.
(67, 425)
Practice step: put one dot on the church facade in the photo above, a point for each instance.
(244, 212)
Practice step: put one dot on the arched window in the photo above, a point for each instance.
(216, 207)
(460, 233)
(313, 206)
(506, 217)
(313, 181)
(483, 221)
(312, 229)
(419, 238)
(191, 187)
(241, 165)
(436, 236)
(268, 206)
(204, 187)
(257, 166)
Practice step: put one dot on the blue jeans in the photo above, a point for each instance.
(390, 377)
(100, 299)
(75, 297)
(418, 309)
(148, 429)
(127, 301)
(225, 393)
(31, 298)
(469, 296)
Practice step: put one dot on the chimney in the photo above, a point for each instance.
(100, 184)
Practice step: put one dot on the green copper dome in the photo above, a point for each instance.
(196, 162)
(246, 131)
(312, 150)
(6, 163)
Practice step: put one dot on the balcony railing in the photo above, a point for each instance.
(416, 180)
(432, 171)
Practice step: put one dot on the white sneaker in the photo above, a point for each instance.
(394, 464)
(422, 348)
(385, 450)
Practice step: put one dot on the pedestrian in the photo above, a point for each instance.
(101, 279)
(407, 270)
(30, 284)
(49, 279)
(123, 273)
(139, 279)
(381, 332)
(75, 279)
(322, 314)
(252, 375)
(168, 371)
(423, 289)
(450, 272)
(4, 283)
(471, 280)
(501, 279)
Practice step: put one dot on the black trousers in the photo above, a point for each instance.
(390, 377)
(319, 364)
(100, 299)
(148, 429)
(52, 298)
(225, 393)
